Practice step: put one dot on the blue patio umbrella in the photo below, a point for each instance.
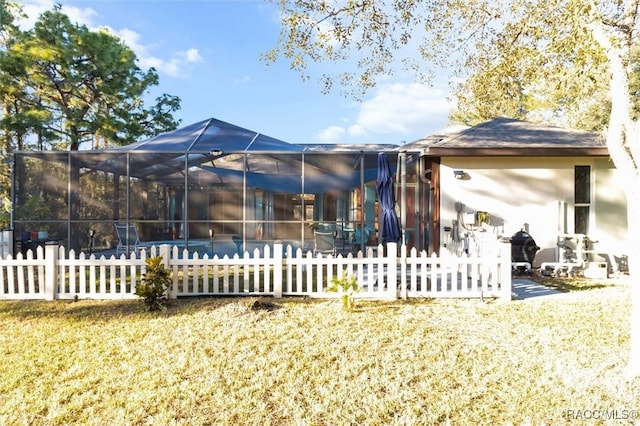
(386, 198)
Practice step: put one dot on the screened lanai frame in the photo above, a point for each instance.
(255, 205)
(238, 196)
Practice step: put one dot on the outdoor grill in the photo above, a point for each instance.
(523, 247)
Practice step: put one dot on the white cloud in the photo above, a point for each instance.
(131, 39)
(396, 111)
(402, 109)
(192, 55)
(175, 65)
(82, 16)
(33, 10)
(356, 130)
(331, 134)
(242, 80)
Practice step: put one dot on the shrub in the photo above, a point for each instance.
(155, 282)
(346, 285)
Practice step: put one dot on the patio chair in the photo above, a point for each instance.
(237, 240)
(360, 236)
(325, 242)
(128, 237)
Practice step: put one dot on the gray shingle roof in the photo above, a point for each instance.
(511, 135)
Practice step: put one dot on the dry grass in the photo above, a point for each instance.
(303, 362)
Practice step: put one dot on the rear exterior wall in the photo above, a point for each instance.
(535, 194)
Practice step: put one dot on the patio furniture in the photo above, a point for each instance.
(360, 237)
(324, 242)
(128, 239)
(31, 240)
(237, 240)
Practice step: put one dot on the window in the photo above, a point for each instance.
(582, 199)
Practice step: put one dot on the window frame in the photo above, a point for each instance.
(582, 206)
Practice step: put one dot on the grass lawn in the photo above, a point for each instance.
(308, 362)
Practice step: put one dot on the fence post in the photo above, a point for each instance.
(51, 253)
(6, 243)
(505, 271)
(278, 264)
(392, 270)
(165, 252)
(403, 271)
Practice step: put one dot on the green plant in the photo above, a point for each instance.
(5, 211)
(346, 285)
(482, 217)
(155, 282)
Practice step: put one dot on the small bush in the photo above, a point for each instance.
(346, 285)
(155, 282)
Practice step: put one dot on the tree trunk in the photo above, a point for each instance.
(623, 143)
(633, 213)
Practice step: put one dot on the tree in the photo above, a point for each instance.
(13, 125)
(81, 85)
(569, 95)
(509, 87)
(581, 36)
(64, 85)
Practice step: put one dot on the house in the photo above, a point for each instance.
(506, 175)
(216, 181)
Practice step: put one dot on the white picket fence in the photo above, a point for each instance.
(52, 273)
(6, 243)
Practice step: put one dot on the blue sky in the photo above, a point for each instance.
(207, 53)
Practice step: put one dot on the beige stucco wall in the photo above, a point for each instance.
(535, 193)
(610, 216)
